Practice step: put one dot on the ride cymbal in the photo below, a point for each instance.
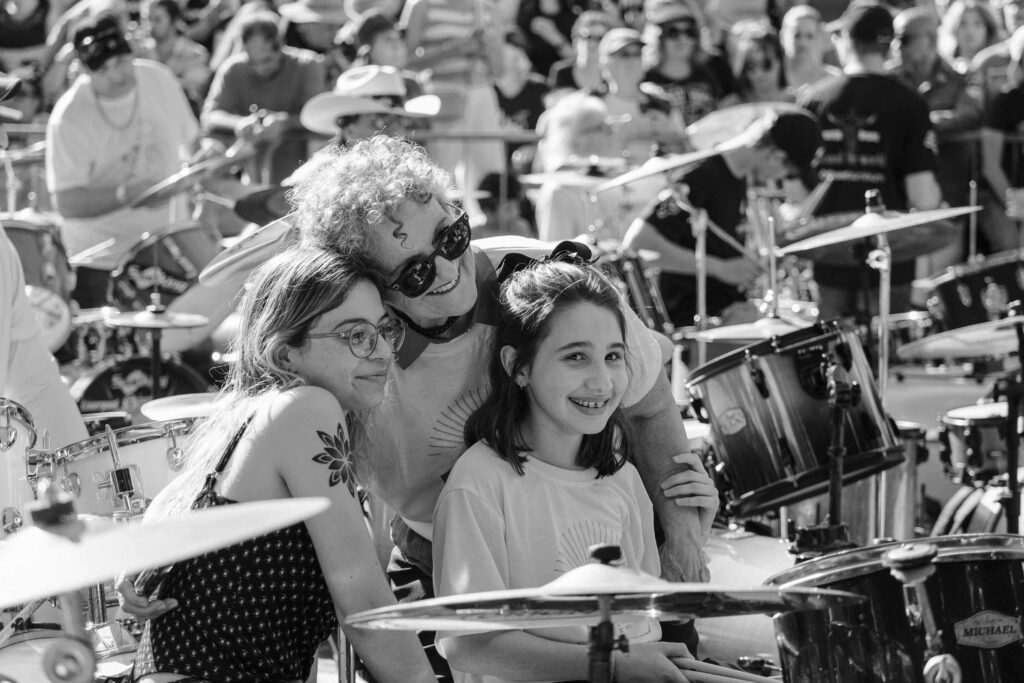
(155, 321)
(993, 338)
(747, 333)
(183, 179)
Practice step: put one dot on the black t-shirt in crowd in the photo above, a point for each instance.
(694, 97)
(522, 111)
(876, 131)
(1005, 114)
(714, 188)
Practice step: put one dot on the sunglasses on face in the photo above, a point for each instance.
(418, 274)
(362, 337)
(673, 31)
(763, 64)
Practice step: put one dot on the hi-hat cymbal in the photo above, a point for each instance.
(36, 563)
(155, 321)
(180, 181)
(656, 166)
(723, 125)
(871, 224)
(747, 333)
(574, 599)
(179, 407)
(992, 338)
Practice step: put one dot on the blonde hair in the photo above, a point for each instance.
(284, 298)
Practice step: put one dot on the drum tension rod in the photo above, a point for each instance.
(119, 480)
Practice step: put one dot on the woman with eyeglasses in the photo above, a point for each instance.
(757, 64)
(314, 354)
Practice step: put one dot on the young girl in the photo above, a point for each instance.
(546, 477)
(315, 348)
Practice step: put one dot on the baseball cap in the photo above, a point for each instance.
(667, 11)
(617, 39)
(98, 39)
(798, 134)
(866, 22)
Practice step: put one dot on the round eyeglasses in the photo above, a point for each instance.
(418, 274)
(362, 337)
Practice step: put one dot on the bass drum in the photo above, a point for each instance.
(126, 385)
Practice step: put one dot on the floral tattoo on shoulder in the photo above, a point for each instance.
(337, 456)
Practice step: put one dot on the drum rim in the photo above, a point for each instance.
(22, 414)
(775, 344)
(150, 237)
(856, 562)
(127, 436)
(959, 270)
(948, 418)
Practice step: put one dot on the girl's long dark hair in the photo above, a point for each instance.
(530, 299)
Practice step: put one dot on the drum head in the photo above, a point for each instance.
(968, 415)
(126, 385)
(167, 262)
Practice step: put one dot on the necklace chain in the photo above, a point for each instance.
(131, 116)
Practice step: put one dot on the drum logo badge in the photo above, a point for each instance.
(732, 421)
(988, 629)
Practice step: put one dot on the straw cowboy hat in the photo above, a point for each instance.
(314, 12)
(354, 93)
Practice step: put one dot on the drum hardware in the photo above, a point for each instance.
(972, 222)
(240, 151)
(722, 125)
(180, 406)
(911, 565)
(594, 593)
(9, 432)
(12, 184)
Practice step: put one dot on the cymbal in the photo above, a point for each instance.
(248, 252)
(656, 166)
(573, 599)
(180, 406)
(747, 333)
(723, 125)
(180, 181)
(564, 178)
(27, 156)
(155, 321)
(905, 246)
(992, 338)
(264, 205)
(36, 563)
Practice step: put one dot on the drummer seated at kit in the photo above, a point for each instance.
(122, 127)
(776, 147)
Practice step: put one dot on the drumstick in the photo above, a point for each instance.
(86, 255)
(695, 668)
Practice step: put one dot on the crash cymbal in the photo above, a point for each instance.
(656, 166)
(574, 599)
(723, 125)
(36, 562)
(747, 333)
(993, 338)
(155, 321)
(264, 205)
(179, 407)
(182, 180)
(904, 245)
(246, 253)
(563, 178)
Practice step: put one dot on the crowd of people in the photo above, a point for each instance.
(380, 349)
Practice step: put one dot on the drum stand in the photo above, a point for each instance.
(1012, 388)
(602, 637)
(812, 542)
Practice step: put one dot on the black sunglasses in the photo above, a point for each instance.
(418, 274)
(673, 31)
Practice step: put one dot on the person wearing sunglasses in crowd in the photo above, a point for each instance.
(582, 71)
(757, 64)
(314, 351)
(384, 197)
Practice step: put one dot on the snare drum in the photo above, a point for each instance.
(167, 261)
(125, 384)
(971, 293)
(976, 595)
(973, 442)
(770, 418)
(17, 434)
(152, 453)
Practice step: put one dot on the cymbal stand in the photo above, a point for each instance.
(880, 259)
(699, 225)
(1011, 388)
(11, 182)
(156, 308)
(972, 224)
(602, 637)
(771, 199)
(833, 535)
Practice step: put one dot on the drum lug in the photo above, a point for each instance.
(12, 520)
(757, 376)
(697, 405)
(842, 352)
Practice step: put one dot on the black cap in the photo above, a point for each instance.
(798, 134)
(99, 38)
(866, 22)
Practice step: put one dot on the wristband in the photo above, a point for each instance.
(121, 194)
